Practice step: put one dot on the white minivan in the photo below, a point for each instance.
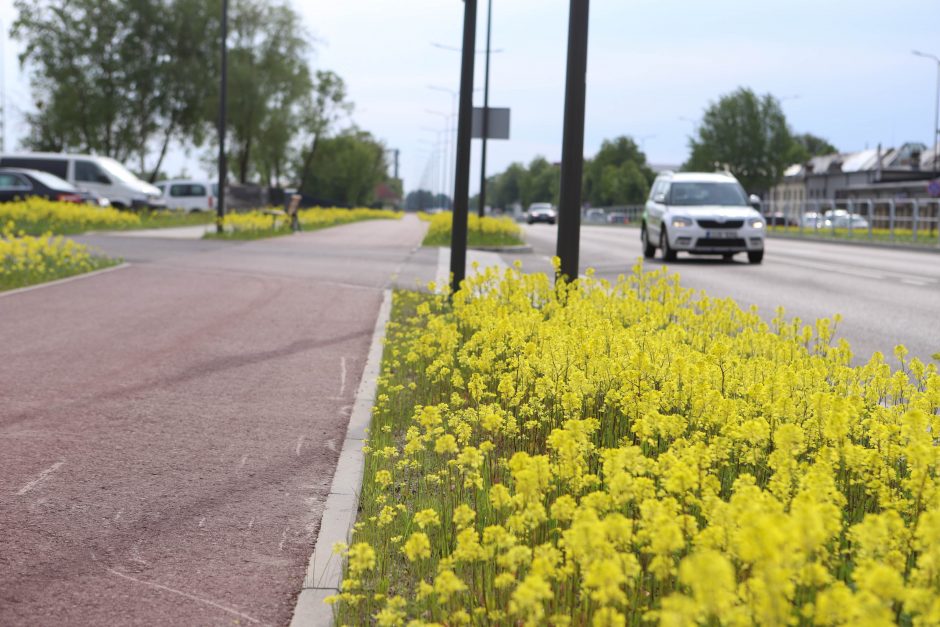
(102, 176)
(189, 195)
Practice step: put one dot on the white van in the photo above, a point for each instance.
(100, 175)
(188, 194)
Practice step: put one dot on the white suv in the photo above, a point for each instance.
(702, 214)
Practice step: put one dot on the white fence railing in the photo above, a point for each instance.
(912, 220)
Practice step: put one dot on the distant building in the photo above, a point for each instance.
(904, 172)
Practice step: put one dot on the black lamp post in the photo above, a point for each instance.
(572, 151)
(481, 206)
(223, 93)
(458, 232)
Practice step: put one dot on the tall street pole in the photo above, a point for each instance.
(223, 93)
(458, 232)
(481, 206)
(935, 134)
(572, 149)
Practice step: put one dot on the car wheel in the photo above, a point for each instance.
(649, 251)
(728, 256)
(530, 221)
(755, 256)
(551, 222)
(668, 253)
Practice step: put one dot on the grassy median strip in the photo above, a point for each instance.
(27, 260)
(484, 231)
(925, 236)
(630, 453)
(260, 224)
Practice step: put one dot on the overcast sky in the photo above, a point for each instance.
(844, 70)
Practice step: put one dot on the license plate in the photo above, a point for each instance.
(721, 234)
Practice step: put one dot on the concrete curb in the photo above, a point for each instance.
(325, 570)
(921, 248)
(525, 248)
(68, 279)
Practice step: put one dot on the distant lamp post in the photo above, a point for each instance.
(223, 89)
(935, 135)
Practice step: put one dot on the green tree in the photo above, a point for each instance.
(813, 146)
(322, 110)
(346, 169)
(268, 76)
(112, 76)
(748, 135)
(541, 183)
(507, 186)
(618, 174)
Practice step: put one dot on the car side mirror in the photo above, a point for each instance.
(659, 198)
(754, 201)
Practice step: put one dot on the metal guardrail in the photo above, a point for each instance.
(896, 220)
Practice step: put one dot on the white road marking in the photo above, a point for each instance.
(185, 594)
(251, 523)
(300, 443)
(330, 444)
(280, 547)
(342, 376)
(45, 473)
(915, 282)
(202, 523)
(244, 460)
(117, 516)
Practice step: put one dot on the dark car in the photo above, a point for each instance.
(19, 183)
(541, 212)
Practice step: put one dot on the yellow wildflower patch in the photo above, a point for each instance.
(635, 453)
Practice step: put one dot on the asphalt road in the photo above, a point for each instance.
(886, 296)
(168, 431)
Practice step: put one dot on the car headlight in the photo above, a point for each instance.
(755, 223)
(681, 222)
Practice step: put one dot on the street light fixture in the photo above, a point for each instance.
(935, 134)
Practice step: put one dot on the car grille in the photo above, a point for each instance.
(715, 224)
(719, 242)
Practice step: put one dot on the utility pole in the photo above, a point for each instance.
(935, 135)
(458, 231)
(481, 205)
(223, 93)
(572, 149)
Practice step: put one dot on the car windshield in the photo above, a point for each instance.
(117, 170)
(707, 193)
(53, 182)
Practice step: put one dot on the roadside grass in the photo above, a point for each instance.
(631, 453)
(27, 260)
(258, 224)
(925, 237)
(36, 216)
(486, 231)
(165, 218)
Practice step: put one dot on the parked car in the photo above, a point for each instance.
(189, 195)
(779, 218)
(19, 183)
(541, 212)
(595, 216)
(842, 219)
(617, 217)
(702, 214)
(101, 176)
(811, 220)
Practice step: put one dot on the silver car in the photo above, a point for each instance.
(701, 214)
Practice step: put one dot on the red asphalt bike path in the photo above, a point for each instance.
(169, 431)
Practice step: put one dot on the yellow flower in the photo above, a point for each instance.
(417, 547)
